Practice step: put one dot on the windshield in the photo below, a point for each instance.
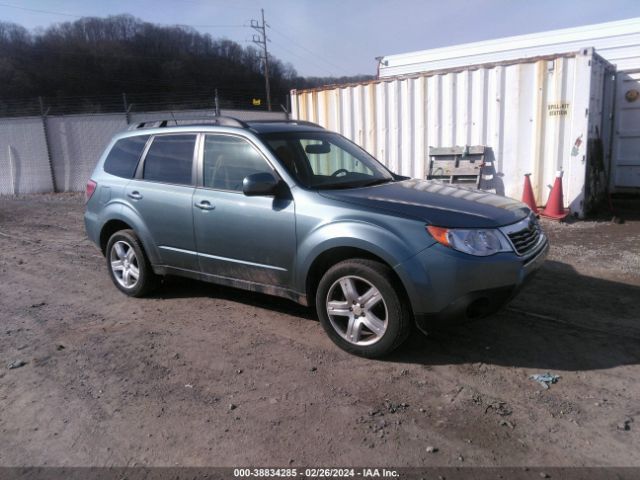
(322, 160)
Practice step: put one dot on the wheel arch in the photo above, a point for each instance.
(330, 257)
(108, 229)
(120, 221)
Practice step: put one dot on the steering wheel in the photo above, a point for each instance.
(338, 172)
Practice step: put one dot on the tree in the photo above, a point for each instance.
(91, 61)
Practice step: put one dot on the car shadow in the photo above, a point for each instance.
(619, 208)
(562, 320)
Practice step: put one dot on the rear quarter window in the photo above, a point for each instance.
(123, 158)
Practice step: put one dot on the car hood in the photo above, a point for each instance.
(436, 203)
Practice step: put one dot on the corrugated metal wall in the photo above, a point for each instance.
(618, 42)
(626, 150)
(530, 114)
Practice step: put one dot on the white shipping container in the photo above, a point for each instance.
(618, 42)
(535, 116)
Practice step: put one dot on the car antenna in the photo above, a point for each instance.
(174, 118)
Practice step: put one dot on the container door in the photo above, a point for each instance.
(626, 141)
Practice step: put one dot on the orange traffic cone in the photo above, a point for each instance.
(555, 205)
(527, 194)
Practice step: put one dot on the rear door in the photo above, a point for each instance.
(239, 237)
(161, 193)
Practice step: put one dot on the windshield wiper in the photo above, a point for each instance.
(337, 186)
(378, 181)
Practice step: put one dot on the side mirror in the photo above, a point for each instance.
(260, 184)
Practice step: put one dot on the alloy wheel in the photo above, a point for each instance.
(124, 264)
(357, 311)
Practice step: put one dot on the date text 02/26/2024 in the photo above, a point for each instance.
(313, 473)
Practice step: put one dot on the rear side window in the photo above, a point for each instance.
(123, 158)
(170, 159)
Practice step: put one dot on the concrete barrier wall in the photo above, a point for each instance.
(76, 143)
(24, 158)
(58, 153)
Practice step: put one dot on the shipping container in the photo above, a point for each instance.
(618, 42)
(537, 115)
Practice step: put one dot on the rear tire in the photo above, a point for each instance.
(361, 310)
(128, 265)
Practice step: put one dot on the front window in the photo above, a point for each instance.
(227, 160)
(322, 160)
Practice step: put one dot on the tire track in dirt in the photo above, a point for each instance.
(153, 380)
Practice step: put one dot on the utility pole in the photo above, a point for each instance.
(261, 39)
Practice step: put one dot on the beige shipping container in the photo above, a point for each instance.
(536, 115)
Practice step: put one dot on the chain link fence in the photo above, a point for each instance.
(57, 153)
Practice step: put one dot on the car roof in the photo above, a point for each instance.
(283, 126)
(256, 126)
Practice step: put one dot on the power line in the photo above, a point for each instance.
(205, 26)
(261, 28)
(295, 43)
(260, 39)
(51, 12)
(331, 73)
(226, 6)
(37, 10)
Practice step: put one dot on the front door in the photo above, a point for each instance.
(251, 239)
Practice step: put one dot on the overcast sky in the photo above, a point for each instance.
(340, 37)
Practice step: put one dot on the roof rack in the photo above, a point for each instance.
(297, 122)
(219, 121)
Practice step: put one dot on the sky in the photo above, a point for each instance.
(339, 37)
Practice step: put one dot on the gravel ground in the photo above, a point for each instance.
(208, 376)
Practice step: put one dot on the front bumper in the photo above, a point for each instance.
(445, 286)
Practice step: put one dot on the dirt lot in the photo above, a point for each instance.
(202, 375)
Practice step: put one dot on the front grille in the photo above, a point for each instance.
(525, 240)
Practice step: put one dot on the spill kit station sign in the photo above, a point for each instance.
(558, 109)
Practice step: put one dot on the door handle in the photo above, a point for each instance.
(204, 205)
(135, 195)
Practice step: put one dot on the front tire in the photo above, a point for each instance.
(128, 265)
(360, 308)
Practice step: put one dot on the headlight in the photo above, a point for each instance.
(479, 242)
